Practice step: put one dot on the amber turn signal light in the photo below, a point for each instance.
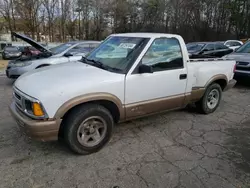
(37, 109)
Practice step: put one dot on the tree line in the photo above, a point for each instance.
(63, 20)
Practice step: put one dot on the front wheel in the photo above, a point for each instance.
(211, 99)
(88, 128)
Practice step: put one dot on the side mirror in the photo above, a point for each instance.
(145, 69)
(67, 54)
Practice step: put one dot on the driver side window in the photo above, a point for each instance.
(164, 54)
(81, 48)
(209, 47)
(74, 50)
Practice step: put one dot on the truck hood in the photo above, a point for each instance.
(65, 81)
(245, 57)
(32, 43)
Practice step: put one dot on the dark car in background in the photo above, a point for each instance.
(207, 50)
(242, 57)
(11, 52)
(30, 51)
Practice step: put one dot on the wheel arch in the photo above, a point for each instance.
(109, 101)
(43, 65)
(198, 92)
(220, 79)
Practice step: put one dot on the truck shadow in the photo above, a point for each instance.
(243, 83)
(239, 146)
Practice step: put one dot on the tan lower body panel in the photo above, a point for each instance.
(146, 108)
(197, 94)
(153, 106)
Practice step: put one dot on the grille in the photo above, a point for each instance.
(243, 68)
(17, 96)
(18, 100)
(242, 63)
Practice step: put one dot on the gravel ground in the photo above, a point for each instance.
(180, 149)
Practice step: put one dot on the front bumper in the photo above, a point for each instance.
(242, 73)
(10, 57)
(230, 84)
(15, 72)
(42, 130)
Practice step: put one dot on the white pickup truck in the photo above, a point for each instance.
(128, 76)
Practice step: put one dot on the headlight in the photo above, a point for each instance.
(30, 106)
(22, 64)
(34, 108)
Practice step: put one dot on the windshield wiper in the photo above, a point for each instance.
(99, 64)
(93, 62)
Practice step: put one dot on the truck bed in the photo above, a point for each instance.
(202, 70)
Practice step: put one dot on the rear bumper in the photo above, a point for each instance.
(42, 130)
(230, 84)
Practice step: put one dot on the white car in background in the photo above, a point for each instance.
(233, 44)
(67, 52)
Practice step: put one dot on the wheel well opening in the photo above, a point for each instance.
(44, 65)
(222, 83)
(112, 107)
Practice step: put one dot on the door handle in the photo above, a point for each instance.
(183, 76)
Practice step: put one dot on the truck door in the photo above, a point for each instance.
(165, 87)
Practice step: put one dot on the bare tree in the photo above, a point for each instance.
(94, 19)
(7, 12)
(50, 7)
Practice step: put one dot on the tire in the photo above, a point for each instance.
(204, 106)
(75, 130)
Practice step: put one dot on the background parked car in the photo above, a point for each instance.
(233, 44)
(11, 52)
(68, 52)
(30, 51)
(242, 57)
(208, 49)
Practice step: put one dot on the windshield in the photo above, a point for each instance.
(11, 49)
(118, 52)
(195, 47)
(61, 48)
(244, 49)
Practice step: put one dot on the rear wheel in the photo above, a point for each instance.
(211, 99)
(88, 128)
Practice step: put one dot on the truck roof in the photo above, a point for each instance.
(146, 35)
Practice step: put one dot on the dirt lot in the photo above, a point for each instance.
(179, 149)
(3, 64)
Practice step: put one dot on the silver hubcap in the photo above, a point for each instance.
(213, 99)
(92, 131)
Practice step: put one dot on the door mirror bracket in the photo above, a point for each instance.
(145, 69)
